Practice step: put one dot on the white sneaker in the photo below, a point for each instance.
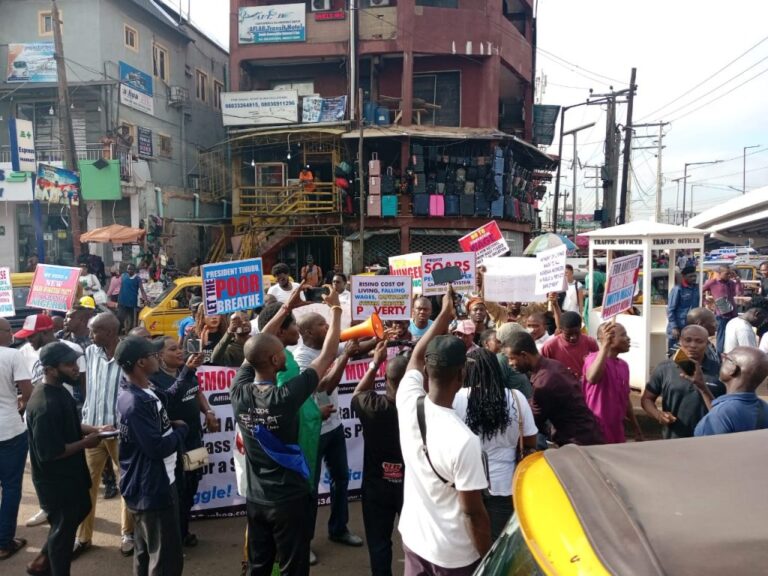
(40, 518)
(312, 558)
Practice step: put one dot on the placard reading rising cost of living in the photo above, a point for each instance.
(232, 286)
(465, 261)
(387, 296)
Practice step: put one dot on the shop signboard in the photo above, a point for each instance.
(145, 141)
(136, 89)
(260, 107)
(33, 62)
(315, 109)
(57, 185)
(270, 24)
(22, 145)
(15, 186)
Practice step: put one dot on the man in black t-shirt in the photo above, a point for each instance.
(56, 450)
(383, 467)
(278, 494)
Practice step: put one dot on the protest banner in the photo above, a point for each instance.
(53, 287)
(620, 285)
(511, 280)
(407, 265)
(387, 296)
(6, 293)
(232, 286)
(551, 270)
(464, 260)
(487, 242)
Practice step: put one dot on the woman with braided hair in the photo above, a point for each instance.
(499, 417)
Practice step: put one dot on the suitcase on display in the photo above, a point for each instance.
(374, 165)
(436, 205)
(421, 205)
(418, 163)
(388, 182)
(374, 185)
(374, 206)
(466, 205)
(509, 208)
(497, 207)
(482, 206)
(389, 206)
(452, 205)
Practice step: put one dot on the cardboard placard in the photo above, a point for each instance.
(388, 296)
(232, 286)
(551, 270)
(620, 285)
(53, 287)
(487, 242)
(465, 261)
(6, 293)
(407, 265)
(511, 280)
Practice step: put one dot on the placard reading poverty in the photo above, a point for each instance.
(551, 272)
(620, 286)
(53, 287)
(232, 286)
(407, 265)
(487, 242)
(387, 296)
(6, 293)
(465, 261)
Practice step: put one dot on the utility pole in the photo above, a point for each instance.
(65, 124)
(677, 198)
(609, 179)
(595, 186)
(659, 147)
(627, 148)
(361, 176)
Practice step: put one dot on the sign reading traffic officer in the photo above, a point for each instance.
(232, 286)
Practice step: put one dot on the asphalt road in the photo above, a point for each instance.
(219, 551)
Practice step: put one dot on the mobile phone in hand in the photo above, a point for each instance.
(687, 365)
(194, 346)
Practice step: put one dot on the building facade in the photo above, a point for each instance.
(446, 113)
(145, 88)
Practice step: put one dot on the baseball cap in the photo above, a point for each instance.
(446, 351)
(688, 270)
(463, 327)
(506, 330)
(34, 324)
(57, 353)
(87, 302)
(194, 302)
(133, 348)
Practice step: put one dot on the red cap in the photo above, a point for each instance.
(33, 325)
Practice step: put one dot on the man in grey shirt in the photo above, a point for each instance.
(332, 447)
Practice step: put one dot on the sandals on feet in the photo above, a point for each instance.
(15, 545)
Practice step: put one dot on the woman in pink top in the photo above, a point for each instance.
(606, 384)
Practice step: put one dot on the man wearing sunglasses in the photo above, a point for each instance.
(742, 370)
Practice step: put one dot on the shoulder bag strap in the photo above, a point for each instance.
(520, 446)
(423, 429)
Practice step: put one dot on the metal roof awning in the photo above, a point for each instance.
(355, 236)
(436, 132)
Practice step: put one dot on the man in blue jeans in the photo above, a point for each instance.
(14, 444)
(128, 297)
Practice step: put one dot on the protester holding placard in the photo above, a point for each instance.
(383, 466)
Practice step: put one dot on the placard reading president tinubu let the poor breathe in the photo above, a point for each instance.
(387, 296)
(232, 286)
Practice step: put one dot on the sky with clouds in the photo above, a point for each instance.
(675, 46)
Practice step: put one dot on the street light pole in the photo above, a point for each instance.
(685, 182)
(744, 168)
(575, 131)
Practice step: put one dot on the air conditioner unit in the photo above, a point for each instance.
(378, 3)
(320, 5)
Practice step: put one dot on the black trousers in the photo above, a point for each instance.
(281, 532)
(380, 506)
(157, 539)
(500, 510)
(64, 518)
(186, 487)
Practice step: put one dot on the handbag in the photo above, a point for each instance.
(195, 459)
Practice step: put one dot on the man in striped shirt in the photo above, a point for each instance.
(102, 380)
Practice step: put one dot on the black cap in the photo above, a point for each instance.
(132, 349)
(688, 270)
(194, 302)
(56, 353)
(446, 351)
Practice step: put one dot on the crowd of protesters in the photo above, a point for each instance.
(471, 387)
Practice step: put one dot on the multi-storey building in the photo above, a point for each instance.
(447, 108)
(145, 87)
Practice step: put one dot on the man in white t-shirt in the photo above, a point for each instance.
(536, 324)
(284, 287)
(444, 524)
(14, 445)
(574, 293)
(340, 285)
(740, 331)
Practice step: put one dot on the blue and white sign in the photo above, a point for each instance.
(268, 24)
(232, 286)
(22, 145)
(136, 89)
(32, 62)
(15, 186)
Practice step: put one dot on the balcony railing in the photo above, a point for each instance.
(289, 200)
(90, 152)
